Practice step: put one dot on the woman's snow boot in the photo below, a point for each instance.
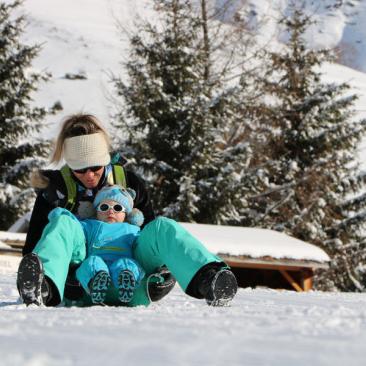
(215, 283)
(222, 289)
(31, 282)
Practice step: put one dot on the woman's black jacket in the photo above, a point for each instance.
(49, 198)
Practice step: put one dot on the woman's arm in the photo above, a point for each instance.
(38, 221)
(48, 184)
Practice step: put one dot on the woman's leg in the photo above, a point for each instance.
(165, 242)
(62, 243)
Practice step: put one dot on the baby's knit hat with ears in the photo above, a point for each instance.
(125, 198)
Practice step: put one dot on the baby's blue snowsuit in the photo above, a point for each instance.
(109, 248)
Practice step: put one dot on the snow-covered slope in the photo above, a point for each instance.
(261, 328)
(80, 37)
(337, 24)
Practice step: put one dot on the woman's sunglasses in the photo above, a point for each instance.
(91, 168)
(104, 207)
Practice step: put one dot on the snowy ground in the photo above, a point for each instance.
(262, 327)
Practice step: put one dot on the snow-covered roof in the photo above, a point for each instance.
(4, 246)
(255, 243)
(9, 263)
(12, 237)
(21, 225)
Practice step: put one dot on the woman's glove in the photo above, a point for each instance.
(160, 284)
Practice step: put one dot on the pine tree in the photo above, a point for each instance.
(232, 176)
(166, 98)
(179, 119)
(310, 180)
(19, 120)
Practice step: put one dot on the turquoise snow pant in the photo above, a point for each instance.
(93, 264)
(161, 242)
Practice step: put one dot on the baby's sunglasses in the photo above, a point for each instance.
(91, 168)
(104, 207)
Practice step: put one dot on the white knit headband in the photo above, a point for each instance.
(85, 151)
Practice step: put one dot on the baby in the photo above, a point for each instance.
(110, 242)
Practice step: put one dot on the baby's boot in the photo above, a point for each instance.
(126, 286)
(98, 287)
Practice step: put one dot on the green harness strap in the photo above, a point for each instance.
(70, 186)
(117, 176)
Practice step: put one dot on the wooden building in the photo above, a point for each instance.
(261, 257)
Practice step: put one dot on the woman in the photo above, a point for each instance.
(53, 249)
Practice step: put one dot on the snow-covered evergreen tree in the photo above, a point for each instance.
(309, 179)
(233, 177)
(180, 118)
(19, 120)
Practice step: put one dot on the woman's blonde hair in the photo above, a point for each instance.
(77, 125)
